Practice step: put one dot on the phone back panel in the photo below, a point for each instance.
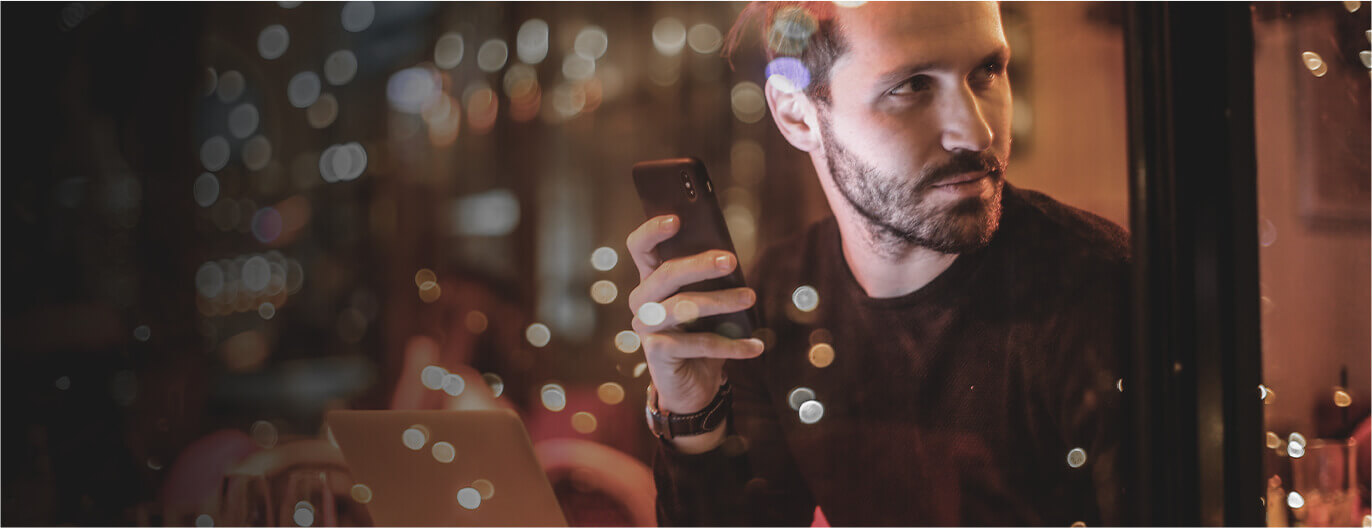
(662, 188)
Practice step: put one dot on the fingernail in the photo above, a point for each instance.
(756, 343)
(722, 262)
(669, 223)
(749, 295)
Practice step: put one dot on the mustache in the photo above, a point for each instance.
(962, 162)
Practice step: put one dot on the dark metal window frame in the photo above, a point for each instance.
(1194, 438)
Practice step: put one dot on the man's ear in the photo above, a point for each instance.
(794, 114)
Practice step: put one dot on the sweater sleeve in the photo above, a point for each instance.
(750, 480)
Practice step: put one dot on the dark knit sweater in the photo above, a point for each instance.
(960, 403)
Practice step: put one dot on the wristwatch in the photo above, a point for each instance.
(667, 425)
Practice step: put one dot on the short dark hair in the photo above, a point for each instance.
(807, 31)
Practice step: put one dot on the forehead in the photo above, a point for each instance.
(889, 34)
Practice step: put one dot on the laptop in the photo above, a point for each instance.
(445, 468)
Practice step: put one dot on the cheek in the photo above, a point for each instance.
(895, 143)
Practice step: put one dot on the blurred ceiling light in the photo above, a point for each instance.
(303, 89)
(358, 16)
(591, 43)
(704, 38)
(669, 36)
(491, 213)
(531, 43)
(340, 67)
(273, 41)
(492, 55)
(482, 107)
(448, 50)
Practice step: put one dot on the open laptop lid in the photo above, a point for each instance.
(445, 468)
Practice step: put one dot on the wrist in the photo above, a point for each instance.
(669, 426)
(701, 443)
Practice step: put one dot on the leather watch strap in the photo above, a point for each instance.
(667, 425)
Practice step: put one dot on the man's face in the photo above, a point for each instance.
(918, 103)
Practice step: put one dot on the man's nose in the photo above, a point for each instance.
(964, 125)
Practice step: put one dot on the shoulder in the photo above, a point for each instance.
(1069, 232)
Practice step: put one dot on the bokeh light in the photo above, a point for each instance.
(432, 377)
(476, 322)
(204, 521)
(266, 311)
(231, 86)
(205, 189)
(798, 396)
(444, 452)
(485, 487)
(604, 292)
(1076, 457)
(538, 334)
(454, 384)
(805, 298)
(430, 292)
(469, 498)
(789, 73)
(358, 16)
(256, 273)
(821, 355)
(323, 112)
(304, 89)
(669, 36)
(747, 101)
(264, 434)
(1295, 500)
(412, 89)
(591, 43)
(361, 493)
(496, 384)
(578, 67)
(627, 341)
(704, 38)
(492, 54)
(604, 258)
(652, 314)
(610, 392)
(531, 43)
(583, 422)
(340, 67)
(415, 437)
(1314, 63)
(554, 397)
(448, 50)
(791, 30)
(1342, 398)
(273, 41)
(811, 411)
(243, 120)
(257, 153)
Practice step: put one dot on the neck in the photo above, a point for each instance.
(883, 265)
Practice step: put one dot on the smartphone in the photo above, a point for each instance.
(682, 187)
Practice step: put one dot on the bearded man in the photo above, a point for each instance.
(942, 350)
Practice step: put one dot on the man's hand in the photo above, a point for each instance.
(687, 367)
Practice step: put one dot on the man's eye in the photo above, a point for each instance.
(914, 84)
(988, 72)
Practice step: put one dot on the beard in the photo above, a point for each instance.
(900, 210)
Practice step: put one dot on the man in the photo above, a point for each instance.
(944, 345)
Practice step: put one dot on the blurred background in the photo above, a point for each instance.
(223, 220)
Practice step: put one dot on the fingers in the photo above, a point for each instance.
(685, 307)
(670, 276)
(680, 345)
(642, 241)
